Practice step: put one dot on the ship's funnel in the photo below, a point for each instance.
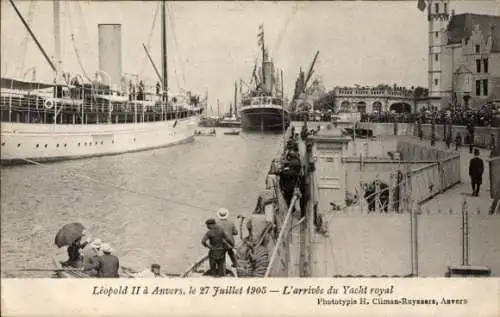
(268, 76)
(110, 53)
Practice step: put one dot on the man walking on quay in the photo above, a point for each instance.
(476, 169)
(230, 230)
(218, 244)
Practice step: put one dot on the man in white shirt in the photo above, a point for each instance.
(230, 230)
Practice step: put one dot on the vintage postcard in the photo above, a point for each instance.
(253, 158)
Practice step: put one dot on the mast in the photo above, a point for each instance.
(282, 102)
(164, 50)
(263, 43)
(235, 93)
(57, 37)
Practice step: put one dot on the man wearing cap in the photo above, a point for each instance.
(154, 272)
(90, 254)
(219, 242)
(107, 265)
(230, 230)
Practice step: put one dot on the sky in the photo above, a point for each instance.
(212, 44)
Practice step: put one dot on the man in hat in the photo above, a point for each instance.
(288, 181)
(106, 265)
(229, 229)
(155, 271)
(90, 254)
(476, 169)
(218, 243)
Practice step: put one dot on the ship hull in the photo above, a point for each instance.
(264, 118)
(23, 143)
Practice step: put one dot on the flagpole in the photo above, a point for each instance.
(282, 102)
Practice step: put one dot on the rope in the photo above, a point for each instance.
(281, 235)
(75, 49)
(24, 44)
(124, 188)
(149, 38)
(172, 26)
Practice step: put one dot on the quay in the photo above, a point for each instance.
(421, 234)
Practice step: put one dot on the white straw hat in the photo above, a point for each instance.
(106, 248)
(222, 213)
(96, 243)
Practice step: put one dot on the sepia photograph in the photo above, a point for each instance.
(259, 139)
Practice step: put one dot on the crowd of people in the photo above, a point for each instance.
(484, 116)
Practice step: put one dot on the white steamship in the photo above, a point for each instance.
(77, 117)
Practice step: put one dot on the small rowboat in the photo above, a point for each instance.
(199, 269)
(233, 132)
(205, 133)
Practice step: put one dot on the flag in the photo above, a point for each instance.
(261, 35)
(421, 5)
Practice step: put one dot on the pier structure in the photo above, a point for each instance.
(415, 230)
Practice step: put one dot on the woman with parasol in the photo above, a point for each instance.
(72, 235)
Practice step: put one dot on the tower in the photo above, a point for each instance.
(437, 17)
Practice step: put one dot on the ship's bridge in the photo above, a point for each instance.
(262, 100)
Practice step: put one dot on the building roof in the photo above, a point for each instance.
(461, 26)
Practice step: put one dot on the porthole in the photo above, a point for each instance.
(65, 145)
(45, 145)
(38, 145)
(18, 144)
(57, 145)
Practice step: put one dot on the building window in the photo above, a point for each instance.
(436, 6)
(436, 82)
(478, 87)
(485, 65)
(478, 65)
(477, 49)
(437, 34)
(436, 57)
(485, 87)
(445, 8)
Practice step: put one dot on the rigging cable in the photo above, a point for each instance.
(24, 43)
(124, 188)
(176, 42)
(75, 49)
(149, 39)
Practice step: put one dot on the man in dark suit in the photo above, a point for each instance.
(106, 265)
(218, 242)
(476, 169)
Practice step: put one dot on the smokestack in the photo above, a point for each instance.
(268, 76)
(110, 53)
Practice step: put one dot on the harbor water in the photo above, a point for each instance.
(150, 206)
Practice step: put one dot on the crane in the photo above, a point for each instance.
(303, 80)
